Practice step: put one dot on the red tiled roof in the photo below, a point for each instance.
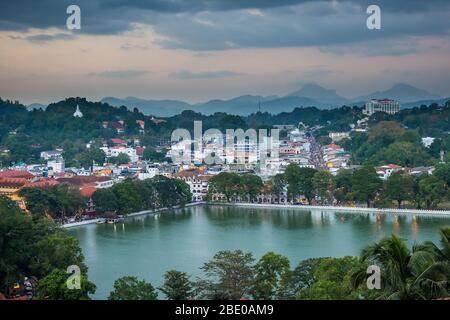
(333, 146)
(118, 141)
(42, 184)
(12, 182)
(87, 191)
(84, 180)
(140, 151)
(16, 174)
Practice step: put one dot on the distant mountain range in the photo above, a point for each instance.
(310, 94)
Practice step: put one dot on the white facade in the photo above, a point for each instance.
(57, 165)
(115, 151)
(384, 105)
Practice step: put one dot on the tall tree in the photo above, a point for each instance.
(399, 187)
(406, 274)
(177, 285)
(365, 185)
(229, 276)
(324, 185)
(131, 288)
(270, 269)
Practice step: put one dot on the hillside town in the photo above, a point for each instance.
(124, 159)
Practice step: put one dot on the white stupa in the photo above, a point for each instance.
(77, 113)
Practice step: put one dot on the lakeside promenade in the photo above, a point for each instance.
(421, 212)
(424, 212)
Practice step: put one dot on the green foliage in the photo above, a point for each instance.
(228, 276)
(132, 196)
(177, 285)
(442, 172)
(91, 156)
(343, 185)
(121, 158)
(270, 269)
(34, 246)
(153, 155)
(406, 274)
(324, 185)
(432, 190)
(365, 185)
(131, 288)
(300, 182)
(62, 200)
(331, 280)
(54, 287)
(399, 187)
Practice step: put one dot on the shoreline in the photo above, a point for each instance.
(131, 215)
(421, 212)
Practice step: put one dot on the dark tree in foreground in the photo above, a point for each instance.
(54, 287)
(228, 276)
(131, 288)
(177, 285)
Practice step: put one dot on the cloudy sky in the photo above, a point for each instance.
(196, 50)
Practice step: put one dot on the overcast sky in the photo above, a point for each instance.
(197, 50)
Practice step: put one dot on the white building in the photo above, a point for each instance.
(338, 136)
(57, 165)
(427, 141)
(197, 181)
(384, 105)
(77, 113)
(116, 150)
(51, 154)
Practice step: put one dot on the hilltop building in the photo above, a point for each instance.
(77, 113)
(384, 105)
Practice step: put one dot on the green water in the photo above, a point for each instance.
(184, 239)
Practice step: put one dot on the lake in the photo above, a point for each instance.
(184, 239)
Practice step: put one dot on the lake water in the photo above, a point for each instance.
(184, 239)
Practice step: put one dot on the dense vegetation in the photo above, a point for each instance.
(35, 246)
(361, 186)
(135, 195)
(419, 273)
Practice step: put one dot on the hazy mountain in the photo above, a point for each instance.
(162, 108)
(401, 92)
(315, 92)
(309, 95)
(419, 103)
(243, 105)
(36, 106)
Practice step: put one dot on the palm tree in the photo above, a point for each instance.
(406, 274)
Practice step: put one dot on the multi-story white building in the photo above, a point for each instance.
(116, 150)
(384, 105)
(56, 165)
(197, 181)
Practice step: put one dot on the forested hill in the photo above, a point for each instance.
(27, 133)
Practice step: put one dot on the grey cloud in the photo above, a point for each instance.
(186, 74)
(120, 73)
(43, 38)
(284, 23)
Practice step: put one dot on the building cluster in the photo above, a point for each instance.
(298, 146)
(335, 157)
